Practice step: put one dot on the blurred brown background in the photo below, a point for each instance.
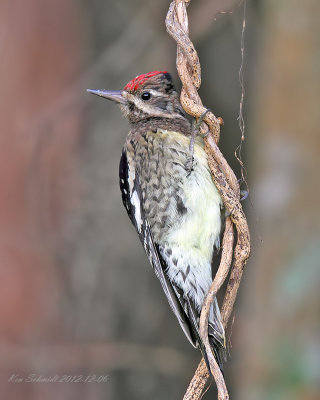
(77, 296)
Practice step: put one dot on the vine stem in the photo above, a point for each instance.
(189, 70)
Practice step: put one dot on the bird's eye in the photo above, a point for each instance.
(146, 96)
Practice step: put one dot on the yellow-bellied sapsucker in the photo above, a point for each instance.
(173, 204)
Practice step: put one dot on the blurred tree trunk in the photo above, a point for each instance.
(40, 55)
(278, 332)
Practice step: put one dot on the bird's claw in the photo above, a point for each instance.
(189, 165)
(196, 124)
(194, 133)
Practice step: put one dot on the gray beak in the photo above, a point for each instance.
(113, 95)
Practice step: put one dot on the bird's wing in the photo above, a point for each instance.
(132, 200)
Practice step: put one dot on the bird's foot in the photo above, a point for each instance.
(194, 132)
(189, 164)
(196, 124)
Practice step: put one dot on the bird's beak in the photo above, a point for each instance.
(110, 95)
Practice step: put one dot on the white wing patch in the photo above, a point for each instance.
(135, 201)
(131, 178)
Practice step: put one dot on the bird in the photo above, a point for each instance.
(171, 200)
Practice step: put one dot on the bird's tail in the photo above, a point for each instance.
(220, 352)
(218, 349)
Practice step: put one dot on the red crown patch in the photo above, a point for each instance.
(135, 83)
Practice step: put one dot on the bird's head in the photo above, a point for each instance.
(150, 95)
